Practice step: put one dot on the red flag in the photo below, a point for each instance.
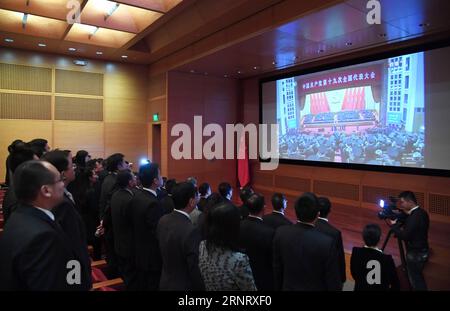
(243, 165)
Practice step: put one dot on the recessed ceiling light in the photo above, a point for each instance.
(9, 40)
(349, 44)
(239, 72)
(72, 49)
(99, 53)
(192, 71)
(382, 35)
(424, 24)
(256, 68)
(42, 45)
(274, 63)
(225, 76)
(124, 56)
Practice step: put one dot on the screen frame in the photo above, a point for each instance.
(357, 61)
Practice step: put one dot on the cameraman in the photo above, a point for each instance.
(415, 234)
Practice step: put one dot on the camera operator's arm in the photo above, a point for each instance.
(405, 232)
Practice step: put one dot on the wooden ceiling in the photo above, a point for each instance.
(104, 28)
(338, 29)
(233, 38)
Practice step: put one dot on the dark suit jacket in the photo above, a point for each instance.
(145, 214)
(121, 222)
(305, 259)
(9, 203)
(358, 266)
(167, 204)
(72, 224)
(325, 227)
(256, 240)
(161, 193)
(243, 209)
(108, 187)
(179, 243)
(415, 231)
(276, 220)
(34, 252)
(201, 204)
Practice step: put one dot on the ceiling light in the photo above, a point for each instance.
(225, 76)
(256, 68)
(320, 51)
(111, 7)
(9, 40)
(274, 63)
(192, 71)
(424, 24)
(124, 56)
(349, 44)
(99, 53)
(42, 45)
(72, 49)
(24, 19)
(239, 72)
(91, 30)
(382, 35)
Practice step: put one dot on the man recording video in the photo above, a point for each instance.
(414, 232)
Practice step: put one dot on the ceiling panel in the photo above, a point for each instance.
(35, 25)
(326, 24)
(48, 8)
(125, 18)
(103, 37)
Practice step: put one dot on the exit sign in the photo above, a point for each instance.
(155, 117)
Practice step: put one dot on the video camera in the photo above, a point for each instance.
(390, 211)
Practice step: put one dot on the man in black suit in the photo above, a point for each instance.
(179, 241)
(167, 201)
(244, 194)
(226, 191)
(114, 163)
(67, 215)
(256, 240)
(414, 233)
(323, 225)
(303, 257)
(35, 253)
(122, 227)
(370, 268)
(277, 218)
(205, 192)
(145, 214)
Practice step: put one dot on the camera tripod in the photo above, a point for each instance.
(401, 248)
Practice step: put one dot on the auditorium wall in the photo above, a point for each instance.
(103, 107)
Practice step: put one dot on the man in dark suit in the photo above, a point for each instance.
(226, 191)
(167, 201)
(67, 215)
(303, 257)
(179, 241)
(122, 227)
(277, 218)
(414, 233)
(244, 194)
(114, 163)
(145, 214)
(366, 259)
(34, 252)
(205, 192)
(256, 240)
(323, 225)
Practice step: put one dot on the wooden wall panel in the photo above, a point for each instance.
(127, 138)
(25, 130)
(25, 106)
(80, 135)
(78, 109)
(25, 78)
(124, 110)
(126, 81)
(78, 82)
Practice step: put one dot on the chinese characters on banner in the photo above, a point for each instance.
(341, 79)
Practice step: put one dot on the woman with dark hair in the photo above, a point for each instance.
(81, 158)
(222, 266)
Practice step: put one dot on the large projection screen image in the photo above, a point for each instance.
(390, 112)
